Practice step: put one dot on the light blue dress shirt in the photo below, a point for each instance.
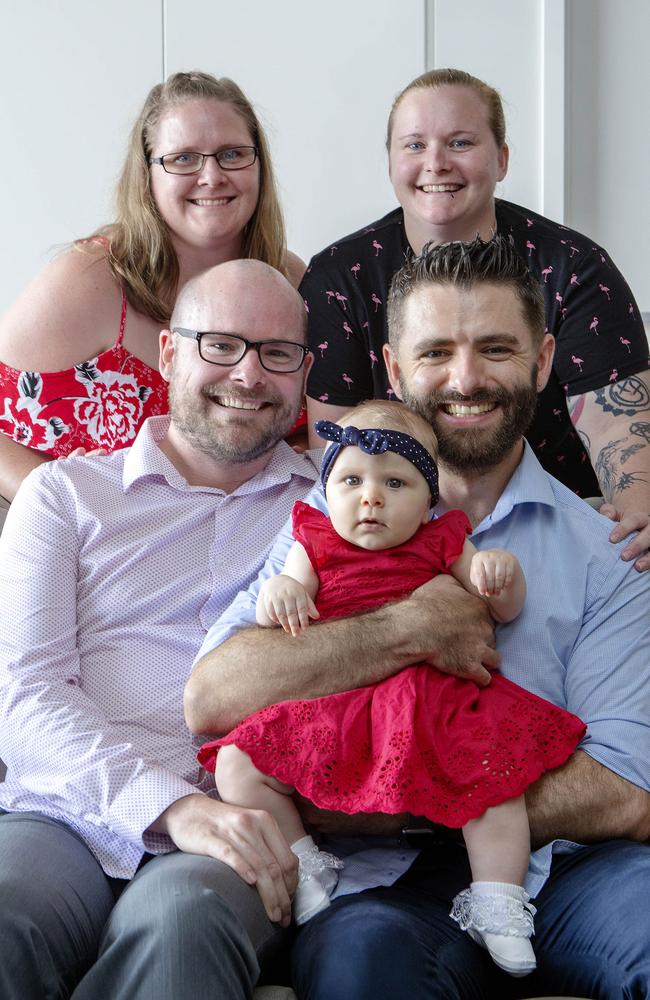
(582, 640)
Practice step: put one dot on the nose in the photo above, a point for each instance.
(465, 374)
(249, 371)
(211, 173)
(372, 495)
(437, 158)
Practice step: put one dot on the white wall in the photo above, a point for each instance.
(73, 75)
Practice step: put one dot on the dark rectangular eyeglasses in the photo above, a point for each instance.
(227, 349)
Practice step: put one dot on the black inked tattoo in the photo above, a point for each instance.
(642, 429)
(628, 452)
(611, 480)
(625, 398)
(605, 470)
(628, 479)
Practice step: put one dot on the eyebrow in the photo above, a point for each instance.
(486, 338)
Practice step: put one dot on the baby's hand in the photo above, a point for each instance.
(492, 571)
(287, 603)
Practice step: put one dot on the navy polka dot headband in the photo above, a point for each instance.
(375, 441)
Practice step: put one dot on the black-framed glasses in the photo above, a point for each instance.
(187, 162)
(227, 349)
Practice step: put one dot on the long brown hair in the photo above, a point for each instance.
(141, 254)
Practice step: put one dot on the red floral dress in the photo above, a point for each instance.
(99, 403)
(421, 741)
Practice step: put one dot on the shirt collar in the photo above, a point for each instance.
(146, 458)
(529, 483)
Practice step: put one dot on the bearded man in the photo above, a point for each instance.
(469, 352)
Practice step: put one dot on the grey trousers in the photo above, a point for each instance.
(185, 926)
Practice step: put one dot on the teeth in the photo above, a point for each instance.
(208, 202)
(468, 410)
(439, 188)
(237, 403)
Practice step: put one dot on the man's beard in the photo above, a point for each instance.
(233, 441)
(475, 449)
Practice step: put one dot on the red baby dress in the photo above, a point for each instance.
(421, 741)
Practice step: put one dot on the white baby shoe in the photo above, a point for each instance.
(317, 878)
(499, 917)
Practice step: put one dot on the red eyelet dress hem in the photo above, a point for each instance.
(421, 741)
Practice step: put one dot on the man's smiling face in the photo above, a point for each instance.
(237, 413)
(466, 362)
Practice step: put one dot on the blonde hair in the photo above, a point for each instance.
(141, 254)
(393, 416)
(456, 78)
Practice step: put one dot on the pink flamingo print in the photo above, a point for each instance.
(573, 250)
(348, 330)
(332, 250)
(556, 412)
(577, 361)
(630, 309)
(373, 358)
(355, 269)
(324, 397)
(605, 290)
(330, 295)
(625, 343)
(376, 300)
(348, 381)
(365, 326)
(390, 393)
(342, 299)
(594, 325)
(546, 271)
(530, 247)
(322, 348)
(558, 298)
(530, 222)
(613, 375)
(377, 246)
(574, 279)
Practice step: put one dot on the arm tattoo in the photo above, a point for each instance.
(629, 397)
(611, 480)
(642, 429)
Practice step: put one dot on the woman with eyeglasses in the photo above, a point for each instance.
(446, 152)
(79, 349)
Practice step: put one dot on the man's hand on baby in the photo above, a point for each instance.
(492, 571)
(288, 604)
(452, 630)
(247, 840)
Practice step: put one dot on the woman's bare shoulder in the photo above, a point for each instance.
(70, 311)
(295, 268)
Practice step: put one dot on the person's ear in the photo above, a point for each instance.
(504, 159)
(392, 368)
(166, 357)
(308, 362)
(545, 360)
